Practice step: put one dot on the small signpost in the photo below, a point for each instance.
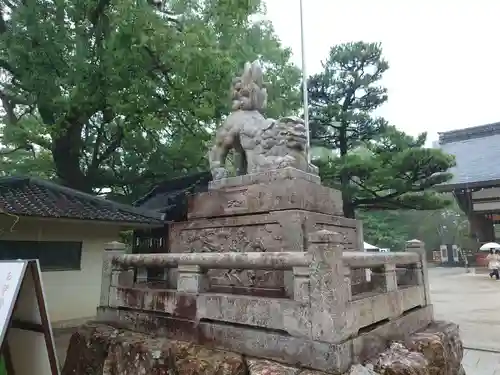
(27, 343)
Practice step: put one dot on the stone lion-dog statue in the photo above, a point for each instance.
(259, 144)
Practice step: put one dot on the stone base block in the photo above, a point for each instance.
(102, 350)
(370, 342)
(273, 345)
(285, 230)
(288, 173)
(265, 195)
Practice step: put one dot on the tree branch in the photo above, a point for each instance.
(98, 11)
(9, 108)
(27, 147)
(112, 147)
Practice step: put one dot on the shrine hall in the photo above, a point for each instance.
(476, 176)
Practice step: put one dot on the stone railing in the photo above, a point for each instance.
(322, 308)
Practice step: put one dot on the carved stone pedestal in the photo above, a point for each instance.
(272, 211)
(282, 189)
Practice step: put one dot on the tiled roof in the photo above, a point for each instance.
(170, 196)
(477, 153)
(28, 196)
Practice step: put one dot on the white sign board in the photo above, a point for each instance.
(11, 277)
(27, 342)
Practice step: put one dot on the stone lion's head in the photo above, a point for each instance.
(248, 91)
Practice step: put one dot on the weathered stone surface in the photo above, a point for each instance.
(98, 349)
(270, 232)
(418, 247)
(435, 350)
(367, 259)
(274, 231)
(356, 369)
(266, 177)
(368, 344)
(260, 144)
(271, 344)
(398, 360)
(329, 294)
(264, 367)
(268, 344)
(259, 233)
(103, 350)
(285, 194)
(377, 307)
(441, 345)
(362, 370)
(280, 260)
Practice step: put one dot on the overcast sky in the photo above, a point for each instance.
(443, 54)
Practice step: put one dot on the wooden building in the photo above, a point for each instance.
(170, 198)
(476, 181)
(67, 231)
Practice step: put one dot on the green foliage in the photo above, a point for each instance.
(122, 94)
(344, 95)
(386, 229)
(394, 172)
(374, 165)
(393, 228)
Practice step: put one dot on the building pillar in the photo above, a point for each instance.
(481, 227)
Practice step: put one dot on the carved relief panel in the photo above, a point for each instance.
(253, 233)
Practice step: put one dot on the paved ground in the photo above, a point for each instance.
(61, 342)
(481, 363)
(472, 301)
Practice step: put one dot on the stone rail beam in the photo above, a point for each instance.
(263, 261)
(358, 259)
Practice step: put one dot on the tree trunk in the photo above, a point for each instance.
(348, 207)
(66, 154)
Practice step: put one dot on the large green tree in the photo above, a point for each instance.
(373, 164)
(122, 93)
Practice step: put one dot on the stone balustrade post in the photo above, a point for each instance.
(301, 284)
(348, 281)
(418, 247)
(111, 250)
(359, 236)
(329, 294)
(391, 279)
(141, 275)
(391, 285)
(191, 279)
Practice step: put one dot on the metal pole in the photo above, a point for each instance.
(304, 82)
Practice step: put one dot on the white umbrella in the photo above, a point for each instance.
(367, 246)
(490, 246)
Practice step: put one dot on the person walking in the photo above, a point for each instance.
(493, 259)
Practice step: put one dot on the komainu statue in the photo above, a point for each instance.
(259, 144)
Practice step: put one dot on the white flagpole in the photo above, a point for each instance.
(304, 81)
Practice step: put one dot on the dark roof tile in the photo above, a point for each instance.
(28, 196)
